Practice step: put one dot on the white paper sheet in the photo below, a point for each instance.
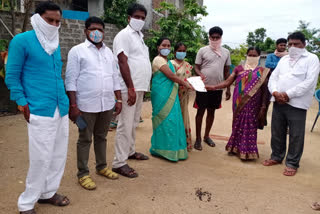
(197, 84)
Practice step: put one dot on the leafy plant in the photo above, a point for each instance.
(180, 25)
(115, 12)
(259, 39)
(312, 36)
(4, 45)
(238, 54)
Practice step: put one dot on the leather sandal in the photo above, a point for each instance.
(87, 183)
(108, 173)
(126, 171)
(288, 171)
(197, 145)
(209, 141)
(270, 162)
(56, 200)
(138, 156)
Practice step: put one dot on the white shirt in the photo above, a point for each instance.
(298, 81)
(131, 43)
(93, 74)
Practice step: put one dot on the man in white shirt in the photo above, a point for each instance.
(292, 85)
(135, 68)
(92, 79)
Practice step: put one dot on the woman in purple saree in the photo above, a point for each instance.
(249, 105)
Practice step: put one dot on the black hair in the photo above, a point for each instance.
(297, 35)
(161, 40)
(178, 45)
(47, 5)
(215, 29)
(136, 7)
(254, 49)
(281, 40)
(93, 20)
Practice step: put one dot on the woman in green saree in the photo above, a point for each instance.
(169, 138)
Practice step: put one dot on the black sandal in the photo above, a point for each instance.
(209, 142)
(138, 156)
(28, 212)
(197, 145)
(126, 171)
(56, 200)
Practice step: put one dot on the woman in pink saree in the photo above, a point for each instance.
(249, 105)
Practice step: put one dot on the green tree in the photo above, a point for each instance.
(227, 47)
(312, 36)
(115, 12)
(269, 45)
(256, 38)
(180, 25)
(259, 39)
(238, 54)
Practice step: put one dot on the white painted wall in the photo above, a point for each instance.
(148, 5)
(96, 7)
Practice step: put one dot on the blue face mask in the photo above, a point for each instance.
(96, 36)
(165, 51)
(181, 55)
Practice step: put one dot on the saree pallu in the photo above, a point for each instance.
(168, 139)
(183, 72)
(247, 101)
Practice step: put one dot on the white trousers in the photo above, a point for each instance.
(126, 129)
(48, 145)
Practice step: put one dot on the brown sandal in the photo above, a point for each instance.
(138, 156)
(28, 212)
(56, 200)
(289, 171)
(126, 171)
(315, 206)
(270, 162)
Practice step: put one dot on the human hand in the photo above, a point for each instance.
(26, 112)
(131, 96)
(118, 108)
(228, 94)
(285, 96)
(203, 77)
(188, 86)
(279, 97)
(74, 112)
(210, 87)
(262, 116)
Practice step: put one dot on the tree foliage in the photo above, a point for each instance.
(312, 36)
(180, 25)
(115, 12)
(238, 54)
(259, 39)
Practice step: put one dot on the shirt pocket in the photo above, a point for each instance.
(299, 71)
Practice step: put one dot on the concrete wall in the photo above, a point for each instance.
(96, 7)
(148, 5)
(71, 32)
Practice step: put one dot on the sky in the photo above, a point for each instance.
(238, 17)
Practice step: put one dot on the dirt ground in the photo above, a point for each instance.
(225, 184)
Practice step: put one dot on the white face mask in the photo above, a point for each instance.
(295, 53)
(136, 24)
(252, 62)
(48, 35)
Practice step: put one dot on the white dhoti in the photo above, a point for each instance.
(126, 129)
(48, 145)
